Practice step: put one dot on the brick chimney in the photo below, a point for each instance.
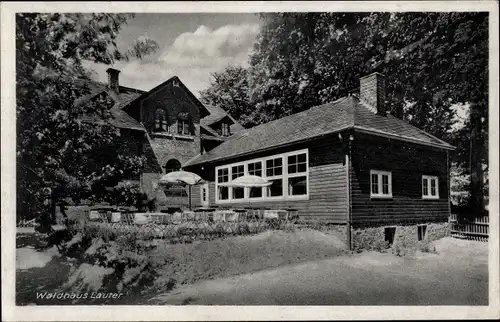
(113, 83)
(372, 93)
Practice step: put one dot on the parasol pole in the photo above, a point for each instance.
(189, 197)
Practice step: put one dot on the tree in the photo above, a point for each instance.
(229, 90)
(432, 62)
(56, 151)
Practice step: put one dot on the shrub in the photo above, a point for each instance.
(380, 245)
(427, 247)
(403, 247)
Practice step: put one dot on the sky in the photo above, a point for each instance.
(192, 46)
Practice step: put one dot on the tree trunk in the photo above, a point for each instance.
(476, 201)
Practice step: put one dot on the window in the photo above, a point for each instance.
(203, 194)
(380, 184)
(161, 123)
(274, 167)
(287, 172)
(297, 163)
(225, 129)
(297, 183)
(389, 233)
(274, 173)
(236, 172)
(276, 188)
(222, 177)
(255, 169)
(421, 230)
(183, 127)
(430, 187)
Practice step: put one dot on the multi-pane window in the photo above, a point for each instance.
(297, 163)
(161, 123)
(236, 172)
(203, 194)
(274, 167)
(287, 172)
(274, 172)
(222, 177)
(430, 187)
(380, 184)
(225, 129)
(297, 178)
(255, 169)
(183, 127)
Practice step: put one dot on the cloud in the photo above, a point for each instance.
(192, 56)
(227, 41)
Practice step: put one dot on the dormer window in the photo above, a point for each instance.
(183, 127)
(225, 129)
(161, 123)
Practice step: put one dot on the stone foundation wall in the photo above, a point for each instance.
(373, 238)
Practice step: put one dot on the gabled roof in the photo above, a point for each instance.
(203, 110)
(217, 114)
(345, 113)
(126, 95)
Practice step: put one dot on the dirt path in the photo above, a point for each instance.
(458, 275)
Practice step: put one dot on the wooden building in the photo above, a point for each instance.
(347, 162)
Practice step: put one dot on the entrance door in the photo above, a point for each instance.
(204, 195)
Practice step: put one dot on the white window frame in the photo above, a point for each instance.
(263, 189)
(284, 176)
(229, 190)
(429, 178)
(380, 193)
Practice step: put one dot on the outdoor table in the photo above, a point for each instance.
(223, 215)
(275, 214)
(177, 217)
(141, 218)
(116, 217)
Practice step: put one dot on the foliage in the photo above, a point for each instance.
(114, 266)
(58, 153)
(432, 62)
(404, 245)
(229, 90)
(123, 194)
(425, 246)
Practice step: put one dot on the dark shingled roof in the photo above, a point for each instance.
(345, 113)
(126, 95)
(217, 114)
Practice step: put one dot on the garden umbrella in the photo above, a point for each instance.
(248, 181)
(183, 178)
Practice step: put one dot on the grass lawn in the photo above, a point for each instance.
(185, 263)
(243, 254)
(457, 275)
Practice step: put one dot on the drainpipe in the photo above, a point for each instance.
(349, 206)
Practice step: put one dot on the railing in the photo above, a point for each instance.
(475, 229)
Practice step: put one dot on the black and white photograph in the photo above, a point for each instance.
(260, 156)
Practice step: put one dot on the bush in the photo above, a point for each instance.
(404, 247)
(381, 245)
(427, 247)
(116, 266)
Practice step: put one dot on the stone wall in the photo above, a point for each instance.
(373, 238)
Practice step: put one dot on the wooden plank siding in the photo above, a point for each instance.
(407, 163)
(327, 182)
